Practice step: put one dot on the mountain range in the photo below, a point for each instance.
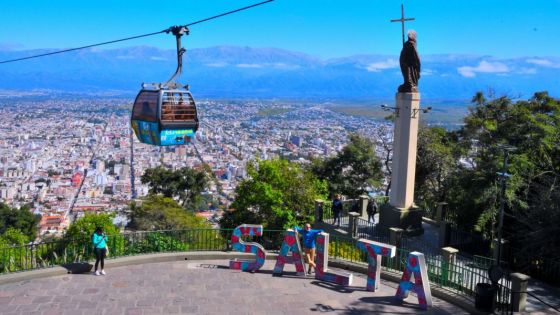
(246, 72)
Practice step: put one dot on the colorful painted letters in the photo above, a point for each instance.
(290, 244)
(416, 265)
(322, 263)
(375, 251)
(290, 253)
(239, 245)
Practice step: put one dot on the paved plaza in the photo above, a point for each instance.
(201, 287)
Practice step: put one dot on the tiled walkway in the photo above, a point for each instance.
(201, 287)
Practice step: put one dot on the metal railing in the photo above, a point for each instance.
(545, 269)
(370, 231)
(347, 204)
(66, 251)
(509, 307)
(460, 278)
(468, 242)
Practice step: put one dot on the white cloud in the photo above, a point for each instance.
(217, 64)
(285, 66)
(542, 62)
(382, 65)
(426, 72)
(249, 65)
(483, 67)
(527, 71)
(158, 58)
(126, 57)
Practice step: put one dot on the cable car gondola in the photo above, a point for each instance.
(165, 114)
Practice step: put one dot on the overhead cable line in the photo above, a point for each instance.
(167, 30)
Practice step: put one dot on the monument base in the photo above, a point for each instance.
(410, 220)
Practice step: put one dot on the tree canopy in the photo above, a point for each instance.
(83, 228)
(184, 184)
(353, 169)
(156, 212)
(437, 159)
(13, 237)
(464, 166)
(21, 219)
(277, 194)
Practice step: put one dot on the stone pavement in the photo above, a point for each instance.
(202, 287)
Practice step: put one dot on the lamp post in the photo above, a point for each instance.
(504, 177)
(495, 272)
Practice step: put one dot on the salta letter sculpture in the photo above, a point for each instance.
(239, 245)
(290, 253)
(374, 252)
(416, 265)
(322, 263)
(290, 244)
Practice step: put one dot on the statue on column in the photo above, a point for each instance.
(410, 65)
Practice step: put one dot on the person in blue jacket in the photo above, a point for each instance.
(309, 236)
(99, 240)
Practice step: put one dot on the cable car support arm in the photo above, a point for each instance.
(178, 32)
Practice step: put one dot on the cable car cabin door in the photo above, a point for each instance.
(179, 121)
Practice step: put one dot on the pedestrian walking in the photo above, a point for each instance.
(337, 209)
(371, 210)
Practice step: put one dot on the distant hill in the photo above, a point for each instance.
(244, 72)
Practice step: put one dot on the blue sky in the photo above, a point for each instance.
(324, 28)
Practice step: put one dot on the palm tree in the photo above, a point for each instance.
(478, 98)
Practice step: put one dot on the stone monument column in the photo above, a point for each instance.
(401, 212)
(404, 150)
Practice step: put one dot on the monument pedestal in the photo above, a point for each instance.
(408, 219)
(401, 212)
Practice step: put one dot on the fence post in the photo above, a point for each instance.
(353, 223)
(444, 234)
(440, 212)
(395, 236)
(363, 202)
(449, 255)
(519, 291)
(319, 210)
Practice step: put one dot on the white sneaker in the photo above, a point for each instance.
(103, 272)
(97, 273)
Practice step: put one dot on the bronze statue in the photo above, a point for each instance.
(410, 65)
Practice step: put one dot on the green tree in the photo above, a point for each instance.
(157, 212)
(155, 242)
(13, 237)
(13, 252)
(21, 219)
(532, 127)
(277, 194)
(77, 243)
(353, 169)
(84, 227)
(436, 164)
(184, 184)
